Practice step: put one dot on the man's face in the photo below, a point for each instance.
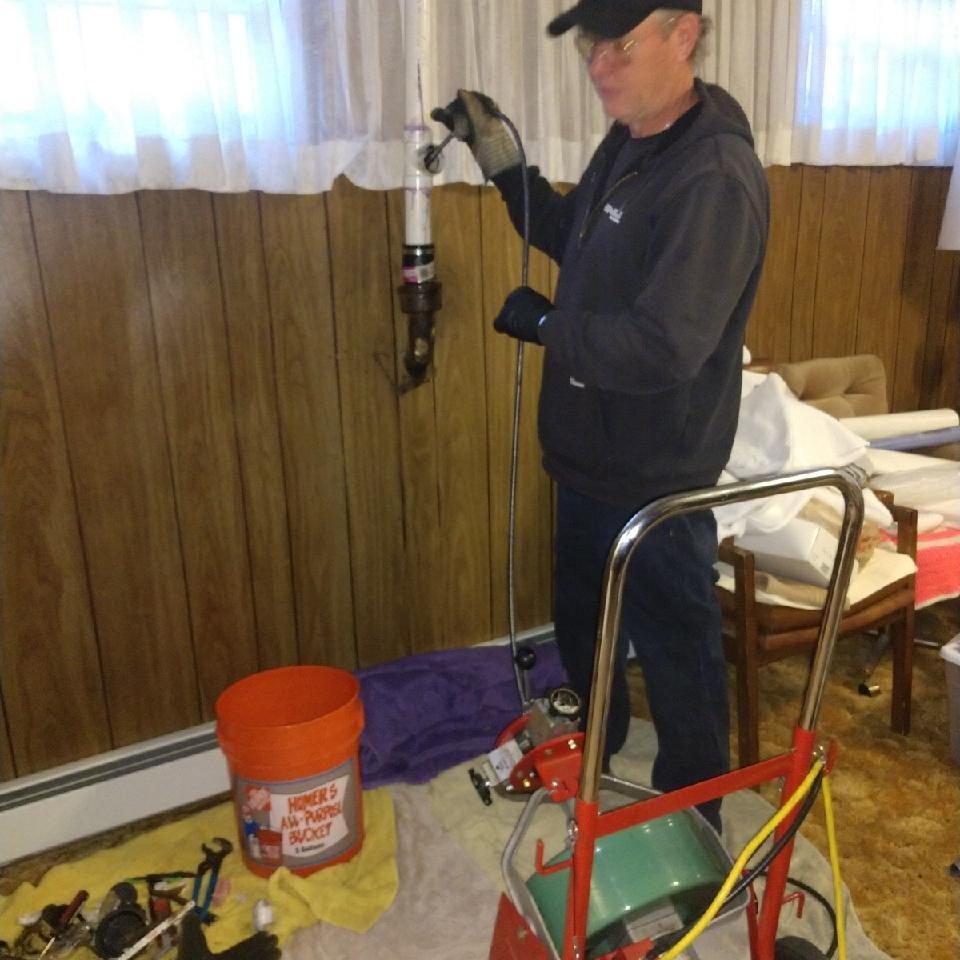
(635, 74)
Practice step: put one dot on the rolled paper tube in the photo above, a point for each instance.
(882, 425)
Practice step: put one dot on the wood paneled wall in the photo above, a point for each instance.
(210, 464)
(852, 267)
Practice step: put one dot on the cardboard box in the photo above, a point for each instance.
(950, 652)
(800, 550)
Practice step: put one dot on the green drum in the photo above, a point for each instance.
(671, 861)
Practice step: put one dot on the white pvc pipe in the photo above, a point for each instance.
(416, 134)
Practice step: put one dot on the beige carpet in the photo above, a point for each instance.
(897, 799)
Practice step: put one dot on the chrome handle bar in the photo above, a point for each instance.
(848, 480)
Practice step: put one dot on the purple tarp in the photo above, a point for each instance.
(431, 711)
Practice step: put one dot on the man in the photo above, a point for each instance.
(660, 247)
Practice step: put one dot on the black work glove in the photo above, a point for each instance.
(476, 120)
(193, 944)
(521, 314)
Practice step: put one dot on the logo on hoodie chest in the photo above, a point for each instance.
(615, 214)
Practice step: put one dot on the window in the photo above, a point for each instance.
(879, 81)
(111, 82)
(285, 95)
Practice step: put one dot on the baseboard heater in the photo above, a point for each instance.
(87, 797)
(77, 800)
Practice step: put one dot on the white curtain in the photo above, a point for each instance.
(118, 95)
(500, 47)
(284, 95)
(880, 82)
(108, 96)
(753, 54)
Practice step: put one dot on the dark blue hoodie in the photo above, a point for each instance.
(641, 379)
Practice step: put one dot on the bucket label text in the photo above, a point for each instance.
(311, 821)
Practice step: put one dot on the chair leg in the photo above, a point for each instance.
(748, 707)
(901, 636)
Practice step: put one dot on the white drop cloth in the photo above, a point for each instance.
(449, 847)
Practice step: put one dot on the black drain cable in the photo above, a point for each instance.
(523, 660)
(826, 904)
(520, 661)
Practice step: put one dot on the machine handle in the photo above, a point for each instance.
(848, 480)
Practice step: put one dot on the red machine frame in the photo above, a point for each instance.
(570, 773)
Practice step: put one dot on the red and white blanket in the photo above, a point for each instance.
(938, 564)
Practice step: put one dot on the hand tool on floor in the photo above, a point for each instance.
(58, 918)
(209, 866)
(164, 886)
(193, 945)
(154, 932)
(121, 921)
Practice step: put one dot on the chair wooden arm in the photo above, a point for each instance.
(885, 497)
(737, 557)
(906, 520)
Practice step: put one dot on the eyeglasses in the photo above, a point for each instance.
(590, 47)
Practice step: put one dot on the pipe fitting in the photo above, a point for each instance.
(419, 301)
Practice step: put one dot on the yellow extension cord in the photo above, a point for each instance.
(835, 867)
(751, 848)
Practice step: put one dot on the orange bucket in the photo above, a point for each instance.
(291, 737)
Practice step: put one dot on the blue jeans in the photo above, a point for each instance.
(671, 616)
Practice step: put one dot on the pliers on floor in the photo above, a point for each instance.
(210, 864)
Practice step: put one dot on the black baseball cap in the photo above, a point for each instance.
(613, 18)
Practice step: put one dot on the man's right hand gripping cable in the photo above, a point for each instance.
(476, 120)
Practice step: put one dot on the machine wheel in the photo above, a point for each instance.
(796, 948)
